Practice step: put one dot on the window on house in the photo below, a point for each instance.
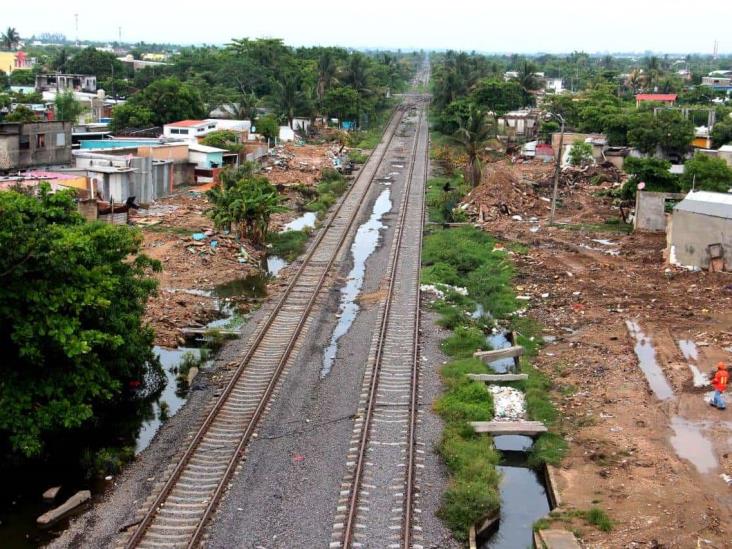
(174, 131)
(60, 139)
(184, 132)
(40, 141)
(24, 143)
(201, 129)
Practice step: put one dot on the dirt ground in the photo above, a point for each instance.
(654, 464)
(294, 164)
(192, 268)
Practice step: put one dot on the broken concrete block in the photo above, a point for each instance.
(50, 494)
(65, 509)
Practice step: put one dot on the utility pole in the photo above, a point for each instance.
(557, 169)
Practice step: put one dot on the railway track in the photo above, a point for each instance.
(378, 493)
(177, 514)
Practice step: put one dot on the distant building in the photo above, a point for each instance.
(667, 99)
(65, 82)
(138, 64)
(205, 157)
(519, 125)
(15, 60)
(190, 130)
(34, 144)
(723, 83)
(701, 231)
(554, 84)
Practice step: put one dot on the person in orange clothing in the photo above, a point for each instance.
(721, 377)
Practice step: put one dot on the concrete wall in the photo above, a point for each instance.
(650, 212)
(177, 153)
(34, 144)
(691, 233)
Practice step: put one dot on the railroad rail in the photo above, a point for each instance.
(178, 513)
(383, 461)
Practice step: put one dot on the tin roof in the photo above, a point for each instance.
(656, 97)
(707, 203)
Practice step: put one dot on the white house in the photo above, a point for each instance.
(190, 130)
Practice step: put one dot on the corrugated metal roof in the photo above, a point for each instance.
(197, 147)
(707, 203)
(656, 97)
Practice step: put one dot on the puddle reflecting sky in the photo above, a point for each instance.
(690, 443)
(646, 354)
(365, 243)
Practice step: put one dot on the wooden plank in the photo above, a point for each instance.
(498, 354)
(205, 331)
(492, 378)
(528, 428)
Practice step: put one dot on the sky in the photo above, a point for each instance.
(527, 26)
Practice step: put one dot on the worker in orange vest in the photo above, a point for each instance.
(721, 377)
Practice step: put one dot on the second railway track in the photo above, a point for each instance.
(176, 515)
(379, 491)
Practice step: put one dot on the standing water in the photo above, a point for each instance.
(646, 354)
(365, 243)
(305, 221)
(523, 496)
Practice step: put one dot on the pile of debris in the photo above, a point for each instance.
(291, 164)
(592, 175)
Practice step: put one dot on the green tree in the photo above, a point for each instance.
(245, 203)
(706, 173)
(22, 114)
(268, 127)
(675, 132)
(498, 96)
(97, 63)
(643, 133)
(290, 98)
(10, 38)
(73, 338)
(163, 101)
(22, 77)
(341, 102)
(224, 139)
(654, 172)
(67, 107)
(472, 135)
(580, 154)
(327, 70)
(130, 115)
(722, 133)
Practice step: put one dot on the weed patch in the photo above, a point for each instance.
(289, 244)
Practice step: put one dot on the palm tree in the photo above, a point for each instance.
(289, 95)
(10, 38)
(527, 76)
(327, 69)
(472, 135)
(635, 80)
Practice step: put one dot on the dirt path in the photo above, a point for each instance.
(653, 464)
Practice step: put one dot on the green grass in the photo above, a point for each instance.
(608, 226)
(288, 245)
(598, 518)
(331, 186)
(441, 204)
(464, 341)
(167, 229)
(358, 157)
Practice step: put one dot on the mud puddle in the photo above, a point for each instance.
(691, 354)
(646, 353)
(305, 221)
(365, 243)
(523, 496)
(690, 443)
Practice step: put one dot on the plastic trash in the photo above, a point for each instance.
(214, 243)
(198, 236)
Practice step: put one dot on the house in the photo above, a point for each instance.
(57, 180)
(205, 157)
(519, 125)
(175, 152)
(191, 130)
(15, 60)
(700, 235)
(554, 84)
(702, 138)
(717, 82)
(116, 177)
(64, 82)
(138, 64)
(597, 140)
(668, 99)
(34, 144)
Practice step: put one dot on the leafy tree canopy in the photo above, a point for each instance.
(68, 108)
(706, 173)
(653, 172)
(163, 101)
(71, 303)
(94, 62)
(498, 96)
(224, 139)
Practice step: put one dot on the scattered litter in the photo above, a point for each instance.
(198, 236)
(508, 403)
(440, 290)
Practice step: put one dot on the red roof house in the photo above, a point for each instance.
(667, 99)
